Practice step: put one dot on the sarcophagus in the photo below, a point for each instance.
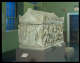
(40, 30)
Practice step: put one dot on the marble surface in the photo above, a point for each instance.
(40, 30)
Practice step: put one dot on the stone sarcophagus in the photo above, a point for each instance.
(40, 30)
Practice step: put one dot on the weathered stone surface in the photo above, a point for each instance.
(40, 30)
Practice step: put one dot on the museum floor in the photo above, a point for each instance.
(11, 55)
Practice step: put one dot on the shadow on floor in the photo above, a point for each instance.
(9, 56)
